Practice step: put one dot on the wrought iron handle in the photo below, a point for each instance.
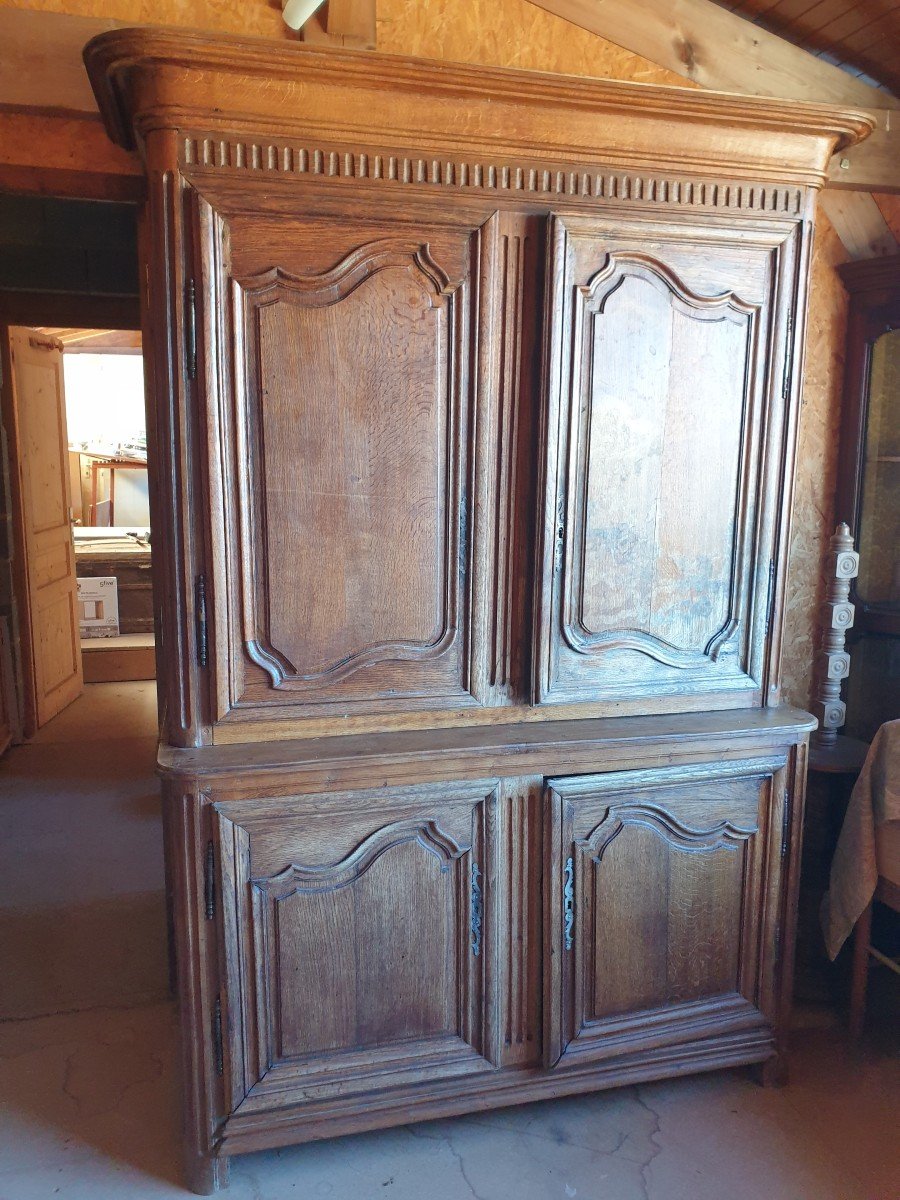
(568, 903)
(477, 911)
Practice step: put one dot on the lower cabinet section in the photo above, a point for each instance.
(357, 956)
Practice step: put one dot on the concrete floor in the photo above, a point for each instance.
(82, 911)
(89, 1100)
(88, 1111)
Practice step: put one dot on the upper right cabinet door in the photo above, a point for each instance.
(665, 438)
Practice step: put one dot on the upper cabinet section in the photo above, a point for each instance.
(475, 390)
(663, 436)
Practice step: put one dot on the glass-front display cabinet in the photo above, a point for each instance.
(868, 496)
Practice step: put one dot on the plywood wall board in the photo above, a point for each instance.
(813, 521)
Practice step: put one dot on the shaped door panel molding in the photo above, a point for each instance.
(369, 499)
(682, 866)
(636, 303)
(348, 421)
(366, 970)
(658, 502)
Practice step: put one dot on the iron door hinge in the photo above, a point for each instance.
(788, 350)
(477, 910)
(786, 828)
(200, 618)
(568, 903)
(559, 540)
(770, 595)
(218, 1048)
(209, 881)
(190, 329)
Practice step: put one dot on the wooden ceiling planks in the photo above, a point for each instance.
(861, 36)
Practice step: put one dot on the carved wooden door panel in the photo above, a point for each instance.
(665, 389)
(663, 906)
(359, 935)
(340, 410)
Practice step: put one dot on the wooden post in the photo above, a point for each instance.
(833, 661)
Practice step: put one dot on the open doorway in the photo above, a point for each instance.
(79, 797)
(77, 450)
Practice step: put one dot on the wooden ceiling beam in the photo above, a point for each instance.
(349, 23)
(859, 223)
(40, 60)
(873, 165)
(718, 49)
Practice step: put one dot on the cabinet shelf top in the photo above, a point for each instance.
(555, 746)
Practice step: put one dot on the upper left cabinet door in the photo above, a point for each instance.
(339, 404)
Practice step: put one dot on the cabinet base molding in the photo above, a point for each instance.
(244, 1136)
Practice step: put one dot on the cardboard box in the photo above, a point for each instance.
(98, 605)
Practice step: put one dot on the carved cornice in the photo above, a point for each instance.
(522, 178)
(149, 80)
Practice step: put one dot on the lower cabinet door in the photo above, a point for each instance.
(662, 907)
(358, 933)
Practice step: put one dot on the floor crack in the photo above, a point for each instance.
(653, 1138)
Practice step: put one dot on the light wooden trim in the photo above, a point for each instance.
(352, 21)
(40, 61)
(874, 165)
(348, 23)
(719, 49)
(859, 223)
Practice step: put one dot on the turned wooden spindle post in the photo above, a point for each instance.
(833, 661)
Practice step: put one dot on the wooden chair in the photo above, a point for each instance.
(887, 891)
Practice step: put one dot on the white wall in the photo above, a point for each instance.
(104, 398)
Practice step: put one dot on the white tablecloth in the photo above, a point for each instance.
(870, 839)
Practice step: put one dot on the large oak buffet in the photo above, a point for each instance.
(475, 400)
